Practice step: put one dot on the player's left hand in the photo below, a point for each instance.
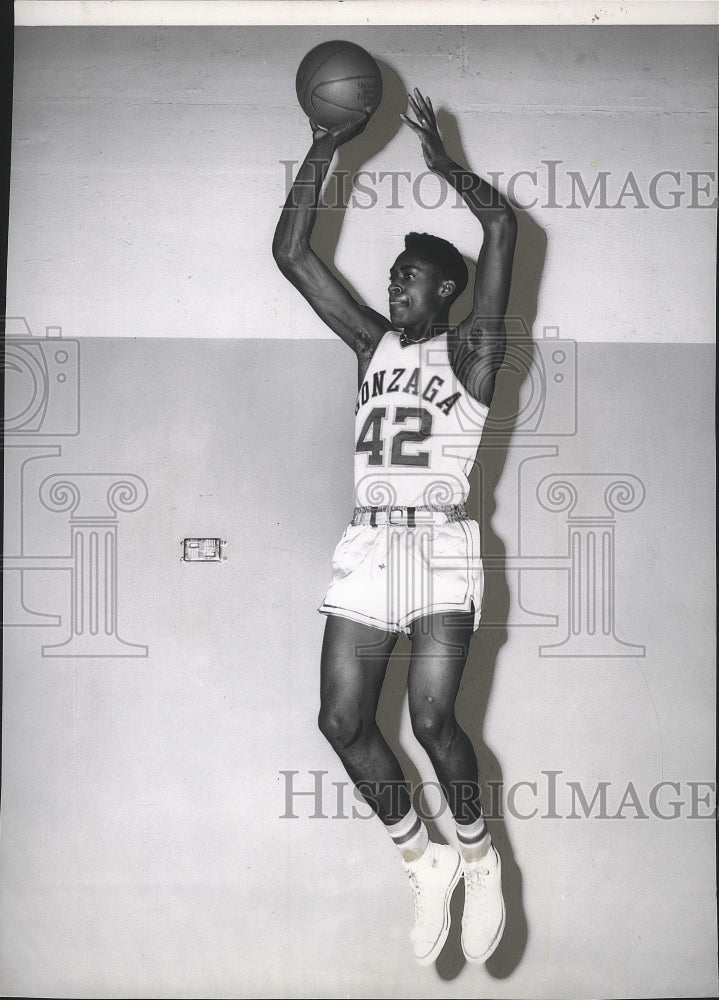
(426, 128)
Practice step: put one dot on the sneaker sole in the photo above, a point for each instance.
(439, 945)
(493, 947)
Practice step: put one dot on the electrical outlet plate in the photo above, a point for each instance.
(203, 550)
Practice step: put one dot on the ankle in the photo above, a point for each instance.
(488, 862)
(410, 837)
(474, 840)
(481, 852)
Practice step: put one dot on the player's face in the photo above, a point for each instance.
(414, 292)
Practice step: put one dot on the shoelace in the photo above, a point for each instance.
(475, 898)
(418, 898)
(474, 886)
(475, 876)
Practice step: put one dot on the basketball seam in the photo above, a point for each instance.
(342, 79)
(315, 97)
(350, 45)
(316, 70)
(332, 104)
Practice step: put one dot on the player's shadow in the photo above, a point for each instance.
(475, 690)
(504, 419)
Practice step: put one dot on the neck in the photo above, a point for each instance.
(417, 333)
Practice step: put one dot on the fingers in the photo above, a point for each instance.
(413, 125)
(352, 127)
(343, 132)
(419, 98)
(415, 106)
(361, 118)
(423, 110)
(357, 123)
(424, 104)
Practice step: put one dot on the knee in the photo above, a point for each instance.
(432, 726)
(340, 727)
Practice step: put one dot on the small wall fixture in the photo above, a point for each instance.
(203, 550)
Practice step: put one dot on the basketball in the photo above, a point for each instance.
(335, 80)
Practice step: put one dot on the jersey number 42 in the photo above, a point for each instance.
(371, 438)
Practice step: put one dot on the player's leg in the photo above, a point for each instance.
(354, 664)
(440, 645)
(353, 668)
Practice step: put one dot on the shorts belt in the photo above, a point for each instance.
(409, 517)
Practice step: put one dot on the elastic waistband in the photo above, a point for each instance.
(409, 517)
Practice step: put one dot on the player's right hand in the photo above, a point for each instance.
(342, 133)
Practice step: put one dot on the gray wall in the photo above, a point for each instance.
(144, 850)
(148, 172)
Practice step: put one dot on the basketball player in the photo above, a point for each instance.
(409, 560)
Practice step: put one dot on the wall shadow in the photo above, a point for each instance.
(475, 689)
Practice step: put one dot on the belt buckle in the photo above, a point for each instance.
(390, 511)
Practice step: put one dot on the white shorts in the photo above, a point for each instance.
(391, 575)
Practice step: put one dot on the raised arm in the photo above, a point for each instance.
(357, 325)
(478, 343)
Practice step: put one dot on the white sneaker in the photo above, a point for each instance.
(433, 879)
(484, 913)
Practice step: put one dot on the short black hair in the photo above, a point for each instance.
(440, 254)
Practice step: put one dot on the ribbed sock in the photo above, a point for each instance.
(410, 835)
(473, 839)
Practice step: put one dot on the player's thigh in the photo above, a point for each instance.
(354, 664)
(440, 645)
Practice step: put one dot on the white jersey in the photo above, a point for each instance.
(417, 429)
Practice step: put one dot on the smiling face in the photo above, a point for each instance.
(418, 294)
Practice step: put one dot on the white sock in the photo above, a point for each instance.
(473, 839)
(410, 835)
